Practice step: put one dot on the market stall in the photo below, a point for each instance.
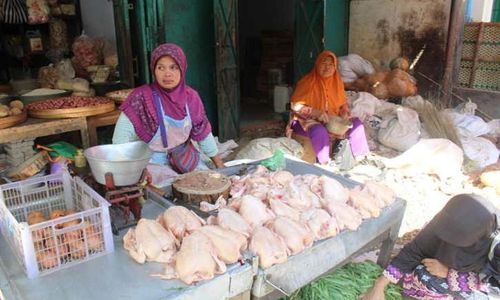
(120, 276)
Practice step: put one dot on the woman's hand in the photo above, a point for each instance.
(323, 118)
(435, 267)
(217, 162)
(377, 291)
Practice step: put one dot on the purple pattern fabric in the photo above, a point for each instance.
(321, 144)
(140, 109)
(393, 273)
(458, 282)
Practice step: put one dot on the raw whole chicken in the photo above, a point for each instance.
(331, 189)
(227, 244)
(364, 203)
(282, 209)
(380, 192)
(197, 259)
(282, 178)
(320, 222)
(207, 207)
(254, 212)
(297, 236)
(298, 197)
(229, 219)
(149, 241)
(180, 221)
(347, 217)
(269, 246)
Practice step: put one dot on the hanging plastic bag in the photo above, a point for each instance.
(38, 11)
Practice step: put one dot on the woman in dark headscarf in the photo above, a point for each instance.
(445, 259)
(167, 115)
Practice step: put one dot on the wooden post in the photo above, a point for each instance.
(475, 59)
(455, 30)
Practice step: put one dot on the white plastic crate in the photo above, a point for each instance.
(42, 248)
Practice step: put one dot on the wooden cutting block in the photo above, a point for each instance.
(200, 186)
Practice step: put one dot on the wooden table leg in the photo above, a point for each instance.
(84, 133)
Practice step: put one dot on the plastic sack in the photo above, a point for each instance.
(264, 148)
(467, 108)
(429, 156)
(480, 150)
(494, 127)
(468, 125)
(38, 11)
(401, 131)
(65, 69)
(353, 66)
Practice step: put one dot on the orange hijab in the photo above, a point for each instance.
(326, 94)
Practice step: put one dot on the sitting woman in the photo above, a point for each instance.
(167, 115)
(445, 259)
(318, 96)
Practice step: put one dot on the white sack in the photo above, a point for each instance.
(353, 66)
(264, 147)
(480, 150)
(468, 125)
(400, 131)
(429, 156)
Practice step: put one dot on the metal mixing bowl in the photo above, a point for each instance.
(125, 161)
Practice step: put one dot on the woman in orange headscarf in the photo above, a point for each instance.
(318, 96)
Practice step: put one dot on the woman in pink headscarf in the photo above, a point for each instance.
(168, 115)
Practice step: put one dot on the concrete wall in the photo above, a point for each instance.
(98, 19)
(380, 30)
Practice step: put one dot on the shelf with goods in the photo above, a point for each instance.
(38, 42)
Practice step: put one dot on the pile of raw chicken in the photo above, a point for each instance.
(271, 214)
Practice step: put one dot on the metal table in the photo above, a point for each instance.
(118, 276)
(326, 255)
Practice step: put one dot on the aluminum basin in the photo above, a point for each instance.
(125, 161)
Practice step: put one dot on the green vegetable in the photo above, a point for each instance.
(346, 283)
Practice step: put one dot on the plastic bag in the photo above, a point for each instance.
(468, 125)
(353, 66)
(38, 11)
(480, 150)
(60, 149)
(343, 157)
(401, 131)
(275, 162)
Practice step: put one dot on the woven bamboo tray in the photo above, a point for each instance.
(10, 121)
(72, 112)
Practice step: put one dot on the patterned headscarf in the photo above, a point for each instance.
(140, 109)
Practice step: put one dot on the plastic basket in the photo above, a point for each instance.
(62, 242)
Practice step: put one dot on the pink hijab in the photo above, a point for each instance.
(140, 109)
